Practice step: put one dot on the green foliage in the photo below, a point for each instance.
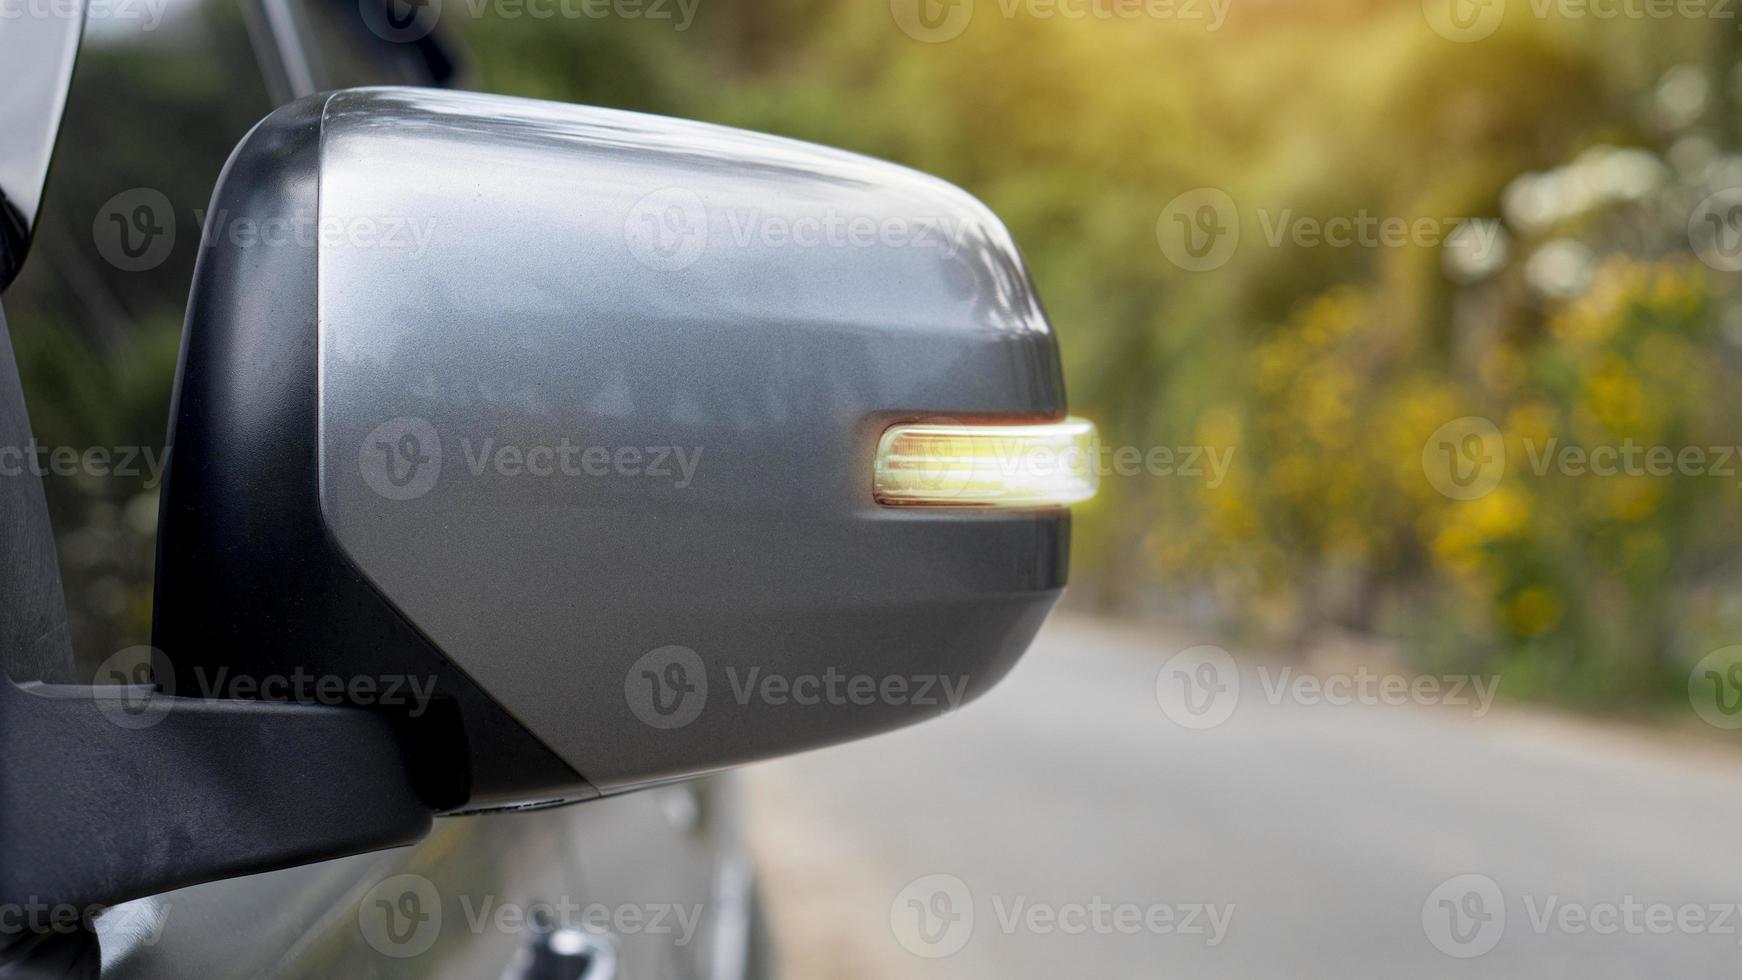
(1325, 370)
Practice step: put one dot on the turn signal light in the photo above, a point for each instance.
(943, 464)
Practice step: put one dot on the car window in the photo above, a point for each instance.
(348, 43)
(164, 89)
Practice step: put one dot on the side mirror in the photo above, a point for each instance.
(604, 449)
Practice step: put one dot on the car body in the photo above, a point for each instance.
(664, 874)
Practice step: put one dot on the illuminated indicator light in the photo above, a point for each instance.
(942, 464)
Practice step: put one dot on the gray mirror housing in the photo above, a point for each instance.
(564, 420)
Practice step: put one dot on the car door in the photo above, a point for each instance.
(653, 884)
(647, 885)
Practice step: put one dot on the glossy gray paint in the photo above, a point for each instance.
(678, 846)
(608, 279)
(37, 50)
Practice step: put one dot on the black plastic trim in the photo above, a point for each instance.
(249, 580)
(113, 794)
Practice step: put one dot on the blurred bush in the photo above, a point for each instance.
(1578, 151)
(1581, 147)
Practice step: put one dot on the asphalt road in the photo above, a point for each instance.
(1067, 826)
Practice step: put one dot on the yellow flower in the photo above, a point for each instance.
(1219, 427)
(1505, 513)
(1531, 423)
(1632, 498)
(1534, 611)
(1613, 394)
(1457, 549)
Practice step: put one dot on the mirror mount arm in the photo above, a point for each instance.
(113, 793)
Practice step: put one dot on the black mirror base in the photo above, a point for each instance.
(113, 793)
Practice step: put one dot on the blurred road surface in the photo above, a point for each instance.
(1065, 826)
